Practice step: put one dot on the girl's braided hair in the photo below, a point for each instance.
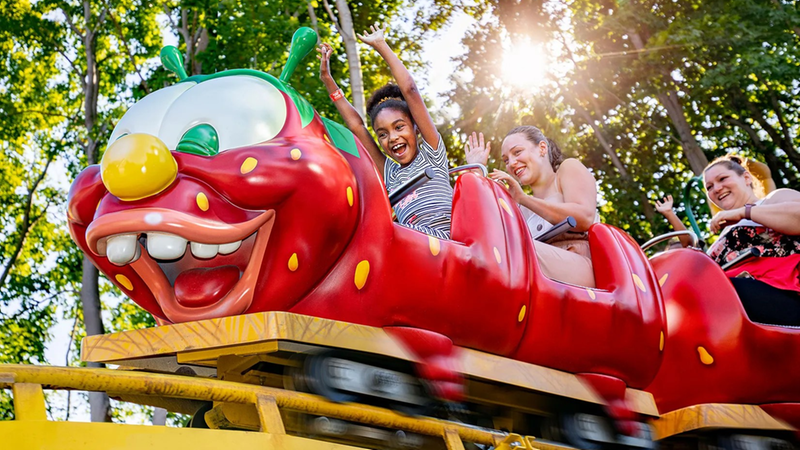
(388, 96)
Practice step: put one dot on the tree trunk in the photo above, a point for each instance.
(90, 294)
(345, 25)
(159, 416)
(669, 100)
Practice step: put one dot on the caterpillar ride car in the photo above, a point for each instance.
(293, 312)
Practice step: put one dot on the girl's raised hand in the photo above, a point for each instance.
(514, 189)
(324, 57)
(374, 35)
(665, 205)
(475, 150)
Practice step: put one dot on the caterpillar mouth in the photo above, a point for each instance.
(195, 268)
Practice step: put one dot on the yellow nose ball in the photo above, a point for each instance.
(137, 166)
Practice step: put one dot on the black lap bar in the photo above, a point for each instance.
(751, 252)
(558, 229)
(411, 185)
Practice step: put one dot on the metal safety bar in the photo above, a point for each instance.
(668, 236)
(467, 167)
(27, 381)
(411, 185)
(558, 229)
(751, 252)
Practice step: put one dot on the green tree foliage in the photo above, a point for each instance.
(70, 70)
(643, 91)
(63, 83)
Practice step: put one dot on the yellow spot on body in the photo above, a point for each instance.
(326, 137)
(350, 195)
(124, 281)
(434, 245)
(705, 357)
(638, 282)
(296, 154)
(504, 205)
(202, 201)
(521, 315)
(591, 294)
(661, 343)
(362, 272)
(248, 165)
(293, 262)
(98, 204)
(663, 279)
(497, 255)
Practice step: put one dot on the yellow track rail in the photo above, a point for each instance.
(28, 381)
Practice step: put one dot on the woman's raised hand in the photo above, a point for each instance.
(324, 57)
(514, 189)
(374, 35)
(475, 150)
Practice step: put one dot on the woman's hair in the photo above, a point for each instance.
(388, 96)
(738, 165)
(535, 136)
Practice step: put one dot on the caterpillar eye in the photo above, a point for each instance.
(200, 140)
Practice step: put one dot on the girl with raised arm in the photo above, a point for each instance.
(406, 134)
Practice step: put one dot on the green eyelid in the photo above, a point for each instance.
(200, 140)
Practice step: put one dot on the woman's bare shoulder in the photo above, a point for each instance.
(570, 167)
(781, 196)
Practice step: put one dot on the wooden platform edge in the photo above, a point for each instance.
(716, 416)
(202, 342)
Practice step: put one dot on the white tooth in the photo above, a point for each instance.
(165, 246)
(121, 249)
(225, 249)
(204, 251)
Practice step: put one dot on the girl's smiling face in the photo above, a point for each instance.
(726, 188)
(396, 135)
(524, 159)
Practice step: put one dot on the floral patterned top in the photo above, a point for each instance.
(779, 264)
(741, 236)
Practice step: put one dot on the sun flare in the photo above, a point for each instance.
(524, 65)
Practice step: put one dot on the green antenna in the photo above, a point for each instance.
(303, 41)
(172, 59)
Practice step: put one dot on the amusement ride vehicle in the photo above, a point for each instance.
(260, 237)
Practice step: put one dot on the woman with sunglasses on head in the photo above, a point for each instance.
(768, 286)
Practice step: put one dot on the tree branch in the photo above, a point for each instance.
(27, 224)
(129, 52)
(331, 15)
(71, 24)
(313, 16)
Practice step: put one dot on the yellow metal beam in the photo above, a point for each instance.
(268, 414)
(29, 402)
(106, 380)
(19, 435)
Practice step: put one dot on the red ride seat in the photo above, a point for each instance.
(714, 353)
(614, 330)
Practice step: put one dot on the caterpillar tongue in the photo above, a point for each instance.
(195, 288)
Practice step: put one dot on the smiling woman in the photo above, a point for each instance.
(525, 65)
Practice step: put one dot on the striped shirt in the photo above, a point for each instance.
(427, 209)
